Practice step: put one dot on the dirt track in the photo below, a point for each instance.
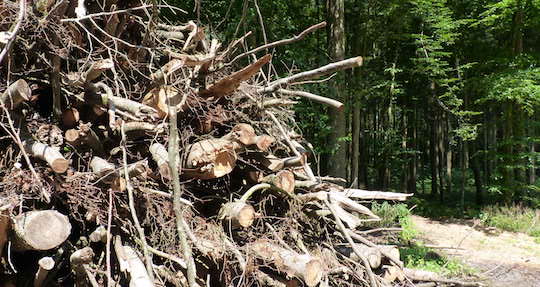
(502, 258)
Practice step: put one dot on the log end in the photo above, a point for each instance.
(72, 136)
(60, 165)
(41, 230)
(237, 214)
(246, 216)
(313, 273)
(47, 263)
(70, 118)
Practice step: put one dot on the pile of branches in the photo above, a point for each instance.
(150, 154)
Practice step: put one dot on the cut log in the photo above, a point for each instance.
(15, 94)
(103, 168)
(242, 133)
(84, 136)
(230, 83)
(40, 230)
(303, 266)
(99, 235)
(45, 265)
(137, 271)
(283, 180)
(211, 158)
(78, 260)
(372, 195)
(70, 118)
(237, 214)
(161, 97)
(264, 162)
(428, 276)
(109, 101)
(54, 158)
(263, 142)
(93, 72)
(374, 255)
(161, 157)
(295, 161)
(392, 273)
(5, 225)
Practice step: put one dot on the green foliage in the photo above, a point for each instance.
(394, 215)
(390, 214)
(421, 257)
(514, 218)
(521, 87)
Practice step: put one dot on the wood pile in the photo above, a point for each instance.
(139, 152)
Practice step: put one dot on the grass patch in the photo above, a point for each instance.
(421, 257)
(394, 215)
(513, 218)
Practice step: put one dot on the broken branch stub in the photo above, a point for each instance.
(230, 83)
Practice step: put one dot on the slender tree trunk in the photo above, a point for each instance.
(442, 156)
(507, 150)
(364, 155)
(531, 178)
(355, 145)
(434, 152)
(449, 155)
(405, 169)
(473, 160)
(336, 49)
(411, 181)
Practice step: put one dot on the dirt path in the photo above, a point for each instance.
(502, 258)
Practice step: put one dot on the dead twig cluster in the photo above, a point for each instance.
(142, 153)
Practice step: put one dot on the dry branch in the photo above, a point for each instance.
(323, 100)
(280, 42)
(229, 84)
(319, 72)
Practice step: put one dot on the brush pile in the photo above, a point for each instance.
(150, 154)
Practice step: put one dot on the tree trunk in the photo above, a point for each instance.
(473, 162)
(336, 48)
(411, 181)
(434, 151)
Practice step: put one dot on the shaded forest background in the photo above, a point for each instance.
(444, 106)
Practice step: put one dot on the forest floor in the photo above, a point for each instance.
(501, 258)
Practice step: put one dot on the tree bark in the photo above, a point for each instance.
(336, 48)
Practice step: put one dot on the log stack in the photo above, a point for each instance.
(177, 162)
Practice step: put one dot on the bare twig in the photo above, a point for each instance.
(279, 43)
(327, 101)
(16, 28)
(132, 210)
(177, 195)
